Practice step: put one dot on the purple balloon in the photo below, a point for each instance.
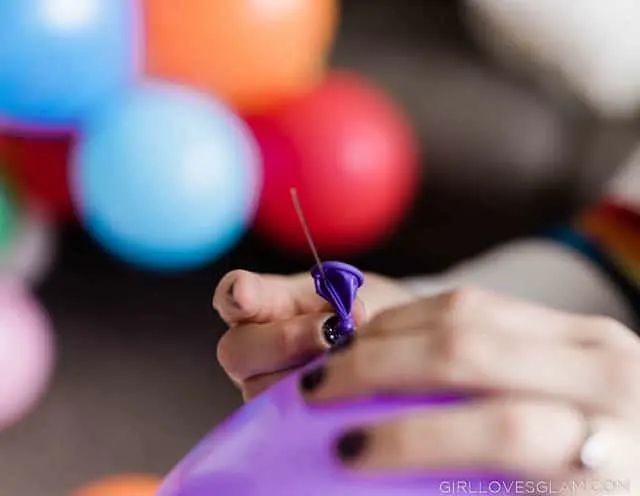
(279, 445)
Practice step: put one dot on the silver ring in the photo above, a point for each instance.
(595, 447)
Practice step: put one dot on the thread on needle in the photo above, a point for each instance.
(307, 232)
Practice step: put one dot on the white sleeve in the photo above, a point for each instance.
(540, 271)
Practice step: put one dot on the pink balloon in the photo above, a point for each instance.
(26, 352)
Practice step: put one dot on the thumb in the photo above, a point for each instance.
(249, 297)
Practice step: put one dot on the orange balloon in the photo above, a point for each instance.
(123, 485)
(253, 54)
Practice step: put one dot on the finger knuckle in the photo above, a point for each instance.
(523, 430)
(518, 435)
(286, 340)
(457, 304)
(382, 321)
(457, 346)
(404, 441)
(363, 363)
(456, 351)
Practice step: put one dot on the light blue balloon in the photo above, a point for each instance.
(166, 178)
(58, 58)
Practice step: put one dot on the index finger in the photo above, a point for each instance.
(249, 297)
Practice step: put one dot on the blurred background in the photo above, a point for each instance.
(147, 147)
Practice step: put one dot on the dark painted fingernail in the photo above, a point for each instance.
(313, 379)
(331, 330)
(343, 343)
(231, 296)
(352, 445)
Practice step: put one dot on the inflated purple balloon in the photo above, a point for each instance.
(279, 445)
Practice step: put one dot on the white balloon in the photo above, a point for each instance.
(591, 45)
(30, 253)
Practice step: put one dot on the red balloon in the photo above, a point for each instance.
(39, 167)
(353, 158)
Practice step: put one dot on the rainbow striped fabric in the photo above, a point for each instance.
(616, 229)
(609, 234)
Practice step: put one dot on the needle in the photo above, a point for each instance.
(307, 232)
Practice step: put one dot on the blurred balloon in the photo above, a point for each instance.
(470, 117)
(7, 213)
(39, 165)
(352, 156)
(60, 57)
(252, 54)
(590, 47)
(26, 352)
(166, 178)
(30, 252)
(122, 485)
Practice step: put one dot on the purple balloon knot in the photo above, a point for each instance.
(338, 283)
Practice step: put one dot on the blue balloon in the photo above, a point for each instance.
(58, 58)
(166, 178)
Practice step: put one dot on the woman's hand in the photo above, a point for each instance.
(539, 379)
(277, 323)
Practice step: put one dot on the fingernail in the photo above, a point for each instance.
(231, 296)
(331, 330)
(343, 343)
(313, 379)
(352, 445)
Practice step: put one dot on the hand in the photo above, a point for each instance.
(536, 375)
(276, 323)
